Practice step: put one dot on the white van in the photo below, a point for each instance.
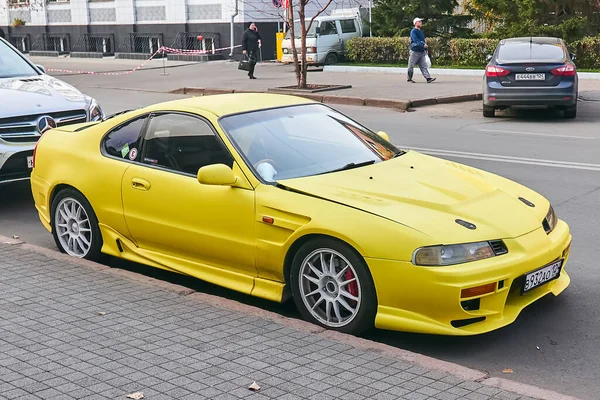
(326, 41)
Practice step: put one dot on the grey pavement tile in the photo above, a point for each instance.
(380, 385)
(488, 390)
(429, 391)
(470, 386)
(397, 391)
(506, 396)
(459, 391)
(476, 396)
(415, 396)
(383, 396)
(422, 380)
(446, 396)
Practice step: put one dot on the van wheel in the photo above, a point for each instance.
(331, 59)
(489, 112)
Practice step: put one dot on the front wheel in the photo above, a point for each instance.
(74, 225)
(332, 287)
(331, 59)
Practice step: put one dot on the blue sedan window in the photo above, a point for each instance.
(530, 51)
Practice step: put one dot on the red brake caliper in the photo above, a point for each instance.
(352, 287)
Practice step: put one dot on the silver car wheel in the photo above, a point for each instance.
(330, 288)
(73, 227)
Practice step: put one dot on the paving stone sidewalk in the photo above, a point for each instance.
(69, 330)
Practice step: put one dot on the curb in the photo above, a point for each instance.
(456, 370)
(433, 71)
(403, 105)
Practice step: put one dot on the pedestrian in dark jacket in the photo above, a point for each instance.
(251, 43)
(418, 52)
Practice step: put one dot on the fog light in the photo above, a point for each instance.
(478, 290)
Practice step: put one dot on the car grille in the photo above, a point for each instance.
(24, 128)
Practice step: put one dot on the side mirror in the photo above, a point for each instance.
(573, 56)
(318, 30)
(488, 58)
(41, 68)
(216, 175)
(384, 135)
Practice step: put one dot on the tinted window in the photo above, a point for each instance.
(124, 141)
(348, 26)
(525, 51)
(12, 64)
(328, 28)
(183, 143)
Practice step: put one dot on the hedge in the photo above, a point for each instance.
(459, 52)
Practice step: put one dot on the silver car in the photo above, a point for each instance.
(32, 102)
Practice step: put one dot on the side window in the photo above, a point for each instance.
(124, 141)
(182, 143)
(348, 26)
(328, 28)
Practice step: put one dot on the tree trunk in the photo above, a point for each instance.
(293, 40)
(302, 83)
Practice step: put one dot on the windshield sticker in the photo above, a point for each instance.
(125, 150)
(133, 154)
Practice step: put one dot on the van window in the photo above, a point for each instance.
(348, 26)
(328, 28)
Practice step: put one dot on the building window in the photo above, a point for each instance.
(18, 2)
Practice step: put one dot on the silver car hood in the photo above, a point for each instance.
(38, 94)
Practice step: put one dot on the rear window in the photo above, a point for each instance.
(525, 51)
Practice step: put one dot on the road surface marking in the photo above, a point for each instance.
(536, 134)
(506, 159)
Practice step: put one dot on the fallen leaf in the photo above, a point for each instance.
(101, 313)
(537, 347)
(508, 371)
(15, 236)
(254, 387)
(136, 395)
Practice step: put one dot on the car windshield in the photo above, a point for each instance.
(297, 32)
(12, 64)
(533, 51)
(298, 141)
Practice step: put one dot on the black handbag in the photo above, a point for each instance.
(244, 64)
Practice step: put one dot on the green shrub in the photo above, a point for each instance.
(459, 52)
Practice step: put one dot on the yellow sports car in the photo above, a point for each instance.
(279, 196)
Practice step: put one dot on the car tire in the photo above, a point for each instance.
(331, 59)
(75, 226)
(571, 112)
(344, 300)
(489, 112)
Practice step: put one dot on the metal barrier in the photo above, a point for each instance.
(189, 41)
(51, 44)
(140, 46)
(21, 42)
(94, 46)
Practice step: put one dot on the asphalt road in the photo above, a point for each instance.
(556, 157)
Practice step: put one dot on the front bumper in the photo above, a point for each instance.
(14, 161)
(428, 299)
(496, 95)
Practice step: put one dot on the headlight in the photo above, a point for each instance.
(550, 221)
(456, 253)
(95, 111)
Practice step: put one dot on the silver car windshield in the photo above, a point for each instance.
(298, 141)
(12, 64)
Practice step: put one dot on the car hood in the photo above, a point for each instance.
(429, 194)
(38, 94)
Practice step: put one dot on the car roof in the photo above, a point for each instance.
(532, 39)
(234, 103)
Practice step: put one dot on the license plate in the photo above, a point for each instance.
(541, 276)
(30, 162)
(530, 77)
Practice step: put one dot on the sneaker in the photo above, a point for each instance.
(431, 80)
(410, 80)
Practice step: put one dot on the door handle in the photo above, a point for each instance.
(140, 184)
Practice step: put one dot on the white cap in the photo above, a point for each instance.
(417, 20)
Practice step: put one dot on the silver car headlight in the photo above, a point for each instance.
(95, 112)
(550, 221)
(456, 253)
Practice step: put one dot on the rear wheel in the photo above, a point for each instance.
(571, 112)
(332, 286)
(488, 112)
(74, 225)
(331, 59)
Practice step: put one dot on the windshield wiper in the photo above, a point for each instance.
(354, 165)
(399, 153)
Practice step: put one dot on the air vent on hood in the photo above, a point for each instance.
(498, 247)
(525, 201)
(31, 80)
(466, 224)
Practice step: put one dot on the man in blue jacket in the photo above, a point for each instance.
(418, 51)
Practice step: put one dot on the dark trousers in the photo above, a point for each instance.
(252, 57)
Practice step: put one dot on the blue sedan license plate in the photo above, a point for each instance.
(530, 77)
(541, 276)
